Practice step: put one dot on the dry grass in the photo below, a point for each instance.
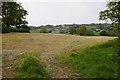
(48, 46)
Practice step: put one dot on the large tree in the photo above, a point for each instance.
(113, 13)
(13, 14)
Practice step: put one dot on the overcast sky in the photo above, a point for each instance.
(52, 12)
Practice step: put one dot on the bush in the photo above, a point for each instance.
(29, 67)
(103, 33)
(5, 29)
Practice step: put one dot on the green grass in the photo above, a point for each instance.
(28, 66)
(96, 62)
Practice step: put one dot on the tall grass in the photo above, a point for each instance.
(28, 66)
(99, 61)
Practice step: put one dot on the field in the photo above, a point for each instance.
(49, 47)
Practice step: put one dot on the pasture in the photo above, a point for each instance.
(49, 47)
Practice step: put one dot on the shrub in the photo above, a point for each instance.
(29, 67)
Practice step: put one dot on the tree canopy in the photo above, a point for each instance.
(112, 12)
(13, 14)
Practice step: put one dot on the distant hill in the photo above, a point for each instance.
(96, 28)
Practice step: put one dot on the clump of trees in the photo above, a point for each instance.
(13, 16)
(82, 30)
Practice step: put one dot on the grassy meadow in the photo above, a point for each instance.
(49, 49)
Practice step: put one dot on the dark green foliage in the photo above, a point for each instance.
(96, 62)
(29, 67)
(103, 33)
(112, 12)
(13, 14)
(5, 29)
(25, 27)
(19, 30)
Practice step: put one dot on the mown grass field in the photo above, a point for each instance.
(49, 47)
